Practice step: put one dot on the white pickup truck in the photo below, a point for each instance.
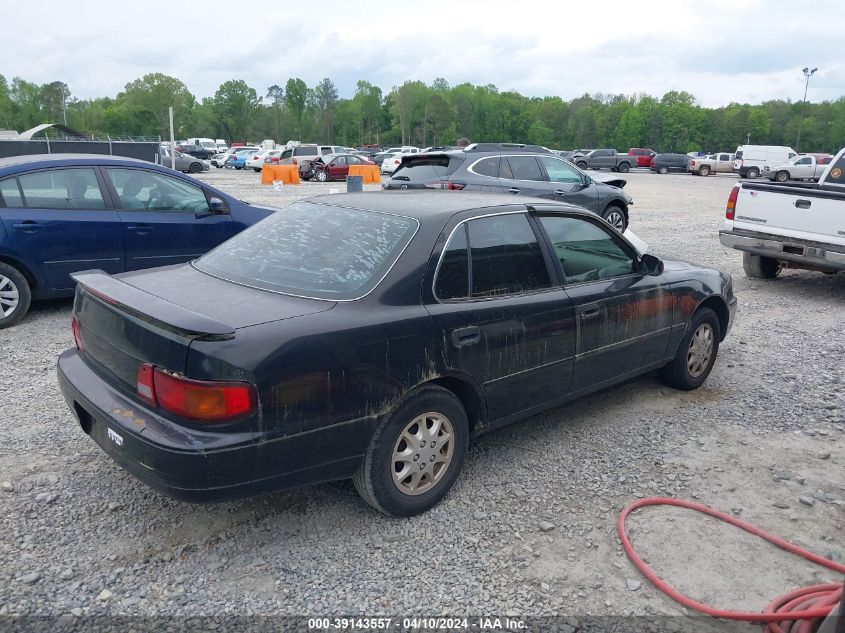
(806, 167)
(790, 225)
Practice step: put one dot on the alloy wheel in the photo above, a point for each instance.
(423, 453)
(700, 350)
(9, 296)
(616, 220)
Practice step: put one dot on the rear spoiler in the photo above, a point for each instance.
(149, 307)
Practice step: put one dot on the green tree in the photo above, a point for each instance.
(145, 103)
(540, 134)
(325, 101)
(236, 106)
(296, 97)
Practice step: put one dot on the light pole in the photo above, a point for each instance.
(807, 74)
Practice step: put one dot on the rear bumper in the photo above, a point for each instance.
(196, 465)
(815, 255)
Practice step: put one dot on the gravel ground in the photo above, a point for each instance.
(529, 528)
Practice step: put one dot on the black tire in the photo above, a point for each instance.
(782, 176)
(677, 374)
(753, 172)
(195, 168)
(374, 480)
(760, 267)
(704, 171)
(257, 170)
(321, 176)
(616, 217)
(581, 164)
(12, 280)
(663, 170)
(238, 168)
(624, 168)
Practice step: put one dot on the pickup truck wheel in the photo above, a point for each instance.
(753, 172)
(15, 295)
(416, 453)
(782, 176)
(704, 171)
(663, 170)
(614, 215)
(624, 168)
(696, 353)
(759, 267)
(581, 164)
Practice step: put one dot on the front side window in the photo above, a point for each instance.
(139, 189)
(524, 168)
(560, 171)
(586, 251)
(10, 195)
(804, 161)
(453, 275)
(505, 257)
(313, 250)
(62, 189)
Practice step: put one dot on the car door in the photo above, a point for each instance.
(568, 184)
(166, 220)
(62, 221)
(505, 320)
(338, 168)
(522, 176)
(602, 158)
(804, 168)
(724, 164)
(623, 317)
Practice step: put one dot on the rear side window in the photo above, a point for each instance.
(453, 275)
(10, 195)
(487, 167)
(505, 257)
(524, 168)
(836, 175)
(428, 168)
(62, 189)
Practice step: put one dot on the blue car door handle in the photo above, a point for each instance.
(27, 226)
(141, 229)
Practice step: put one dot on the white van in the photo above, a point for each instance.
(205, 143)
(752, 160)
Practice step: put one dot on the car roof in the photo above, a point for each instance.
(48, 159)
(432, 204)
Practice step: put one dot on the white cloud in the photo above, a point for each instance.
(721, 51)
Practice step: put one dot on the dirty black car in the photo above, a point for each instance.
(370, 336)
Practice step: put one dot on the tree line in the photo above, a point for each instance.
(419, 114)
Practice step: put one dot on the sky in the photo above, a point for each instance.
(721, 51)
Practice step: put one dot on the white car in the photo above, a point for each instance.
(256, 161)
(806, 167)
(391, 162)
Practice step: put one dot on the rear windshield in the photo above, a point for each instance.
(306, 150)
(425, 169)
(313, 250)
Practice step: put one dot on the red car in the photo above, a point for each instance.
(644, 155)
(334, 166)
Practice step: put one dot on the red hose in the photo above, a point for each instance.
(808, 604)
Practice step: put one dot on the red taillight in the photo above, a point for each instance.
(692, 163)
(398, 161)
(203, 400)
(445, 184)
(730, 209)
(77, 333)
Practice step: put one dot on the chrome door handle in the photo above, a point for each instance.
(513, 190)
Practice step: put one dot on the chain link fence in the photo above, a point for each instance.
(143, 149)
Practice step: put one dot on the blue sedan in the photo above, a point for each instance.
(239, 158)
(63, 213)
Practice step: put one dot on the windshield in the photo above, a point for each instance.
(313, 250)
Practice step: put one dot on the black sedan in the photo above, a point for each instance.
(369, 336)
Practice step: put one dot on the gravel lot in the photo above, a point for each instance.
(529, 528)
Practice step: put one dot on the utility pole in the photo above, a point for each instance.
(172, 141)
(807, 74)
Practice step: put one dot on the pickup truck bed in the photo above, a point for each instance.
(795, 225)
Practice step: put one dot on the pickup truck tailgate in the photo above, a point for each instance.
(793, 211)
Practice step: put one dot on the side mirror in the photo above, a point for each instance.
(217, 206)
(651, 265)
(587, 181)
